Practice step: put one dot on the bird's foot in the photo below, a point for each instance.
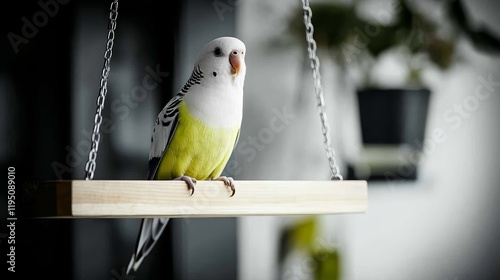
(191, 182)
(228, 181)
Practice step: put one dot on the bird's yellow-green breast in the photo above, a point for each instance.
(196, 150)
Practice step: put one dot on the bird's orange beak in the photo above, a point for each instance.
(235, 61)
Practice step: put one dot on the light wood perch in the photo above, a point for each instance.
(129, 199)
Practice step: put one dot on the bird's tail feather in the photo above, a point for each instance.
(133, 264)
(150, 232)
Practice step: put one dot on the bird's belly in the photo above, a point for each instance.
(197, 151)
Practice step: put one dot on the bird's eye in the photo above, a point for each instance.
(217, 51)
(215, 74)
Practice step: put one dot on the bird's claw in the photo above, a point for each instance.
(228, 181)
(191, 182)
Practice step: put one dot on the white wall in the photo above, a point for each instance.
(443, 226)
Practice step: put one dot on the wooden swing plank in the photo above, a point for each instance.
(129, 199)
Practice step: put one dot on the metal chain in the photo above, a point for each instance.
(311, 48)
(91, 163)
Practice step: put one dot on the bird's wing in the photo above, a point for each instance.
(163, 132)
(166, 124)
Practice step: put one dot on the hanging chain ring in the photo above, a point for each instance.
(103, 90)
(311, 48)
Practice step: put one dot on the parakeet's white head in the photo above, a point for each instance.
(216, 93)
(222, 60)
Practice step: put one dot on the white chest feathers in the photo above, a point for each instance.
(216, 107)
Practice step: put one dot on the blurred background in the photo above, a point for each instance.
(412, 92)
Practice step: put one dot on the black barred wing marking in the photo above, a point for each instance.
(166, 124)
(163, 132)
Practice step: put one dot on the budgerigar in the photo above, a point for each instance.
(195, 133)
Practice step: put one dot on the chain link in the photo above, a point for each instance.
(325, 128)
(103, 90)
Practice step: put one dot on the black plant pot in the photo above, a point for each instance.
(392, 125)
